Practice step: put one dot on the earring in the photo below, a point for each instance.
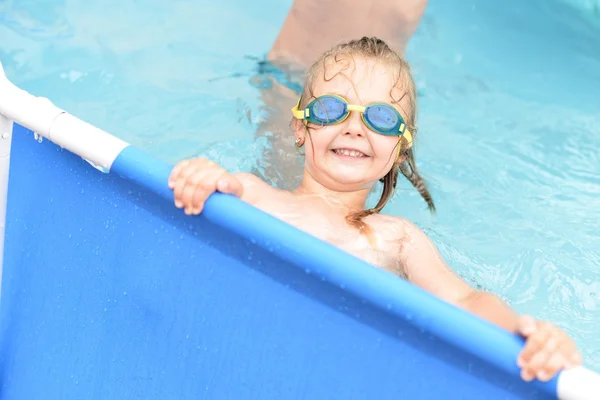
(297, 142)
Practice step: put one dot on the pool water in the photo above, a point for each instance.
(509, 137)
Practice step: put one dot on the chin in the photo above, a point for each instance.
(340, 180)
(345, 183)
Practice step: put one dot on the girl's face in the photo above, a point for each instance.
(349, 156)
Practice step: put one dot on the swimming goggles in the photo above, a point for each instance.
(332, 109)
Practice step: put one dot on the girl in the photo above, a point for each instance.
(356, 121)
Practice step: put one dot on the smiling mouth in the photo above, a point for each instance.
(349, 153)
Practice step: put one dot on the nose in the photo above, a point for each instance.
(354, 125)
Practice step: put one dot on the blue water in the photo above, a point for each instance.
(509, 120)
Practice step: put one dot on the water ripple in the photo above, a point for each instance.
(35, 22)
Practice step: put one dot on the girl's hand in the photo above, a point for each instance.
(547, 350)
(194, 180)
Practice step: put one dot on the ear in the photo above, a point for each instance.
(299, 126)
(299, 130)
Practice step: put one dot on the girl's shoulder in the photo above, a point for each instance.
(396, 229)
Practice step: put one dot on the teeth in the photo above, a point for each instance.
(350, 153)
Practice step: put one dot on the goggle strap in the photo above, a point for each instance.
(408, 136)
(299, 114)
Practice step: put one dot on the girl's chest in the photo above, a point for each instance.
(381, 248)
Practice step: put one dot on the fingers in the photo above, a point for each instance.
(555, 362)
(547, 350)
(176, 171)
(537, 337)
(562, 356)
(538, 349)
(183, 183)
(198, 199)
(193, 181)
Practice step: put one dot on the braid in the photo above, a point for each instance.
(410, 172)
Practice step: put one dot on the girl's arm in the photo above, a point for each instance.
(547, 349)
(425, 267)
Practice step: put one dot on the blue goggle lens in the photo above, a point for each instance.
(328, 110)
(382, 117)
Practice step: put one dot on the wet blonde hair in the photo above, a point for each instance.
(376, 49)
